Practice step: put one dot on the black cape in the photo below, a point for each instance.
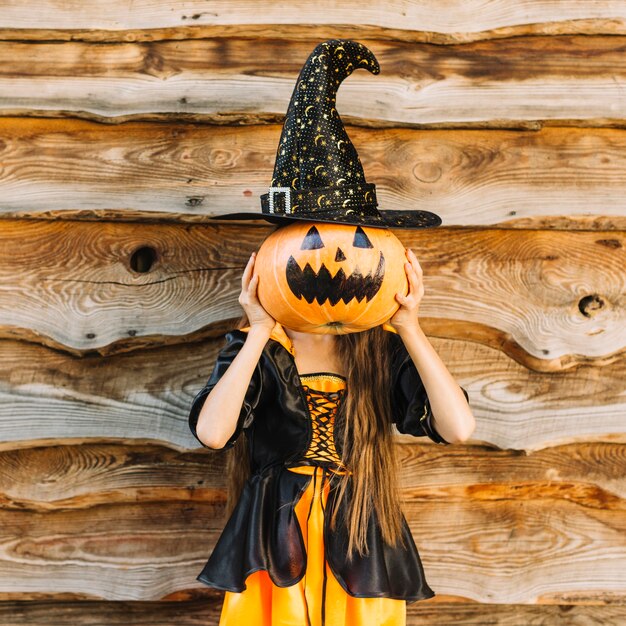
(263, 531)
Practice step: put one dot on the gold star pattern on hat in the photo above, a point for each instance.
(326, 160)
(318, 175)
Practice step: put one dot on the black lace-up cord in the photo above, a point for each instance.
(325, 403)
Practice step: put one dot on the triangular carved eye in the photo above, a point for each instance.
(361, 240)
(312, 240)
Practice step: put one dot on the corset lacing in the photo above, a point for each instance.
(323, 408)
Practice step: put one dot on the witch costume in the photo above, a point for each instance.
(277, 558)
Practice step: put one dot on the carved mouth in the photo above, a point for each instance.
(321, 286)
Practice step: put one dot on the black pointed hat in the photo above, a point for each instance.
(318, 175)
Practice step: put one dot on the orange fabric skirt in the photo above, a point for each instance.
(311, 601)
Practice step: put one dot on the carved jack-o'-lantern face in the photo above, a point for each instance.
(330, 278)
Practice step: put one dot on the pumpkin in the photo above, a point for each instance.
(322, 277)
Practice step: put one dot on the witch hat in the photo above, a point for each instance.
(318, 175)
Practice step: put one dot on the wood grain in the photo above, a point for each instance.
(205, 611)
(139, 123)
(115, 551)
(77, 476)
(518, 82)
(423, 21)
(137, 522)
(556, 178)
(57, 608)
(550, 299)
(145, 395)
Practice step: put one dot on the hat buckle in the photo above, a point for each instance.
(286, 191)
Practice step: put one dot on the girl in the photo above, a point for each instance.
(315, 534)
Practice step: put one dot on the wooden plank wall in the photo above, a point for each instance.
(124, 125)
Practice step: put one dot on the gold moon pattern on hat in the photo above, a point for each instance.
(314, 133)
(317, 171)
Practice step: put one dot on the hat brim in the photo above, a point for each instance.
(385, 219)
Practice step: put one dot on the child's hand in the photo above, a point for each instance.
(257, 315)
(407, 315)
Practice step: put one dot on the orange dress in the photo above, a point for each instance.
(317, 599)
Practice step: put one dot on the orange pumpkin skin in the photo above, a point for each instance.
(321, 277)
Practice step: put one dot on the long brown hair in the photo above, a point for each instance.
(367, 447)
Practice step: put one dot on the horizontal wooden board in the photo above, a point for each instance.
(115, 551)
(52, 609)
(559, 178)
(40, 477)
(550, 299)
(429, 21)
(59, 609)
(206, 612)
(518, 82)
(552, 521)
(46, 395)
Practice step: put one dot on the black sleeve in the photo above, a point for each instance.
(235, 340)
(410, 405)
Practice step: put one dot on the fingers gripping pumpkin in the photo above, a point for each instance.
(321, 277)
